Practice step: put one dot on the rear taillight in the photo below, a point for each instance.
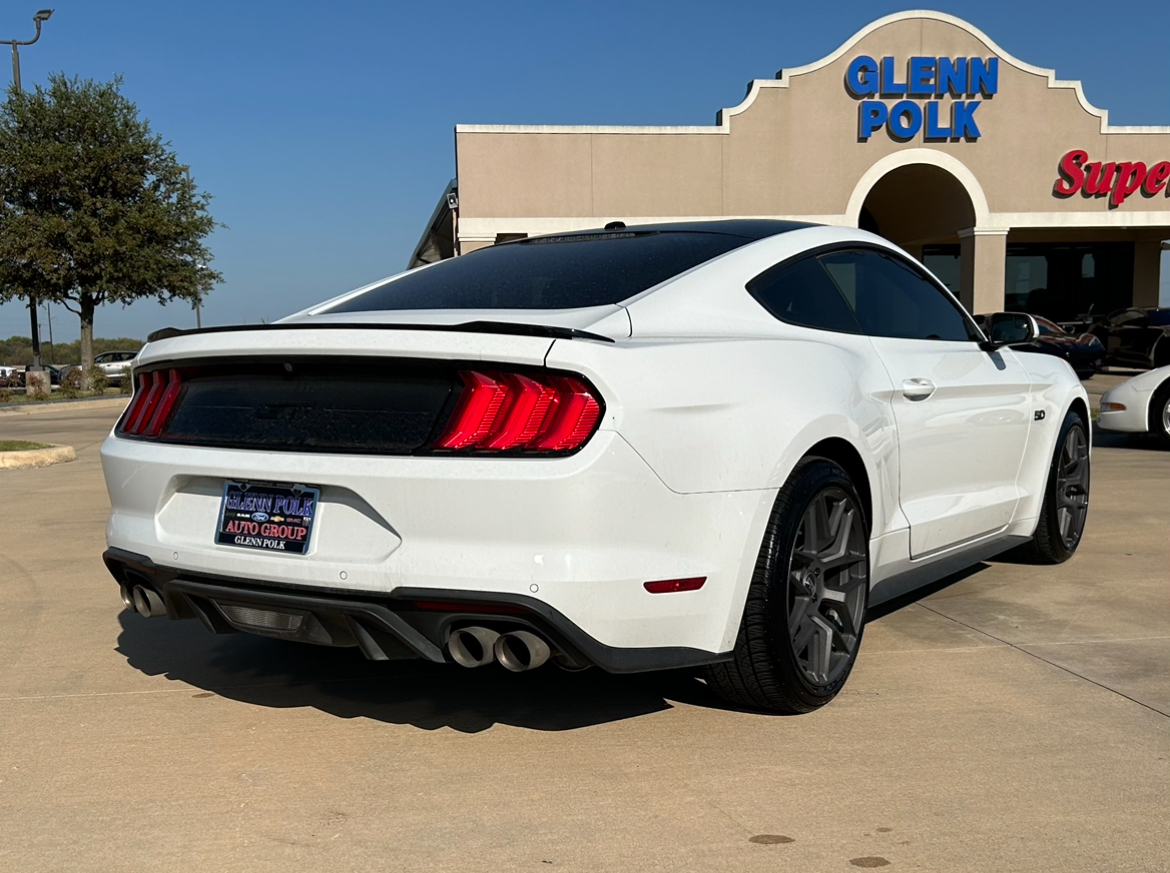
(152, 403)
(532, 412)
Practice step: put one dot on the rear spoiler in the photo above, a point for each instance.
(503, 327)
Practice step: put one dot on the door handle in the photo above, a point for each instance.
(917, 389)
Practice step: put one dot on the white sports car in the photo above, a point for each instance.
(1139, 405)
(708, 444)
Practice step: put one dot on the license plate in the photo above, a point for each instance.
(269, 516)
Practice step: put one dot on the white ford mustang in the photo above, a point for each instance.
(708, 444)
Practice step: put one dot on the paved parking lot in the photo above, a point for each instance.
(1015, 719)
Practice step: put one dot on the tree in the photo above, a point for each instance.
(94, 207)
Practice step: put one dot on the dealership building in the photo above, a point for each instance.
(1004, 180)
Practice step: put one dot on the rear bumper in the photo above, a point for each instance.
(574, 537)
(383, 628)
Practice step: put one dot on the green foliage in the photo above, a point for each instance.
(95, 207)
(21, 446)
(16, 351)
(5, 395)
(72, 383)
(97, 379)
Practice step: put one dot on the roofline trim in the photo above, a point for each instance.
(487, 227)
(784, 78)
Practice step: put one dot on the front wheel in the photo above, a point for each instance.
(805, 610)
(1066, 495)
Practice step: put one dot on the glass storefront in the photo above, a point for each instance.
(1060, 281)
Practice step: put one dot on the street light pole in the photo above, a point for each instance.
(38, 19)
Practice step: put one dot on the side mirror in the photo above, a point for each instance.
(1008, 329)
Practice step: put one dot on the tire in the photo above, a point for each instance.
(804, 595)
(1160, 413)
(1066, 495)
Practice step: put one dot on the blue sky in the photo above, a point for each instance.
(324, 130)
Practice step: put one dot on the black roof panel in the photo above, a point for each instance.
(570, 270)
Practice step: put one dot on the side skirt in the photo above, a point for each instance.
(939, 568)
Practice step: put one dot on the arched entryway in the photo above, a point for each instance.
(923, 209)
(930, 204)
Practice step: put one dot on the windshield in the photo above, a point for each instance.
(567, 272)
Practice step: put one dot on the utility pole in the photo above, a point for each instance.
(49, 318)
(38, 19)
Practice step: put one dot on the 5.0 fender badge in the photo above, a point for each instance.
(1039, 415)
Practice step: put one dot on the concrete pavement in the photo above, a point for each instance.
(1014, 719)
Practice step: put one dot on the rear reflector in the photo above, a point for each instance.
(668, 586)
(533, 412)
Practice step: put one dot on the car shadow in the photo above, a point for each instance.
(342, 683)
(1107, 439)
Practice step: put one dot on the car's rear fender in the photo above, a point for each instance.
(738, 414)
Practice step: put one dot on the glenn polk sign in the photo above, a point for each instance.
(922, 84)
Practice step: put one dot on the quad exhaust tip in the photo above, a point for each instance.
(145, 601)
(520, 650)
(472, 646)
(517, 651)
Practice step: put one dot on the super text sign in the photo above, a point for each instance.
(920, 96)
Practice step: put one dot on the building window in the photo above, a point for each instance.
(1061, 281)
(943, 261)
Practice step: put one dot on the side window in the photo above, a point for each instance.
(890, 298)
(801, 292)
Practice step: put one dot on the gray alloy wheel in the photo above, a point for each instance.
(1166, 417)
(826, 590)
(1066, 495)
(1072, 488)
(805, 611)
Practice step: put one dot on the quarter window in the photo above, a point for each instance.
(801, 292)
(891, 298)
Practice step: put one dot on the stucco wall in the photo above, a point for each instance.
(792, 149)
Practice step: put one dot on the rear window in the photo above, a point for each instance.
(567, 272)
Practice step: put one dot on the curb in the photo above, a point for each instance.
(37, 458)
(57, 405)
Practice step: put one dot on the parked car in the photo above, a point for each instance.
(54, 373)
(115, 364)
(1136, 337)
(1084, 353)
(1139, 405)
(703, 444)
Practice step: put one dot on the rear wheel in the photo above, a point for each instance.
(805, 610)
(1066, 496)
(1160, 413)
